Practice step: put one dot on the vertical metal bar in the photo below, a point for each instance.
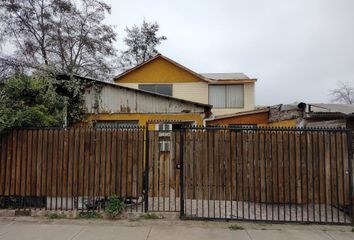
(307, 177)
(46, 171)
(289, 172)
(301, 179)
(342, 134)
(147, 153)
(126, 165)
(67, 171)
(324, 173)
(121, 162)
(230, 170)
(265, 171)
(248, 176)
(259, 175)
(175, 170)
(91, 201)
(350, 169)
(243, 176)
(182, 213)
(132, 167)
(224, 173)
(319, 176)
(41, 168)
(195, 180)
(158, 171)
(208, 169)
(7, 174)
(16, 149)
(73, 168)
(214, 172)
(34, 194)
(202, 170)
(83, 171)
(105, 167)
(330, 173)
(295, 175)
(111, 165)
(137, 166)
(271, 172)
(78, 168)
(94, 164)
(278, 183)
(57, 172)
(153, 169)
(337, 173)
(313, 178)
(11, 147)
(62, 168)
(254, 173)
(26, 163)
(99, 167)
(284, 168)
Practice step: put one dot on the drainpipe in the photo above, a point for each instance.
(212, 117)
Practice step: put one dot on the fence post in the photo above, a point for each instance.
(350, 170)
(181, 156)
(146, 178)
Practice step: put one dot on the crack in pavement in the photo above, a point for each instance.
(148, 233)
(78, 233)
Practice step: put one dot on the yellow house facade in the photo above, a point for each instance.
(226, 92)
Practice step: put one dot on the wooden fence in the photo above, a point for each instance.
(72, 162)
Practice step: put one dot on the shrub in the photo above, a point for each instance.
(115, 206)
(55, 216)
(235, 227)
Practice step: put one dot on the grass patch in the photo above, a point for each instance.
(353, 230)
(149, 216)
(55, 216)
(235, 227)
(89, 215)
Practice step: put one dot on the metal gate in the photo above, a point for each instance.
(266, 174)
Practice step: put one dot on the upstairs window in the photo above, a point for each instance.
(226, 96)
(165, 89)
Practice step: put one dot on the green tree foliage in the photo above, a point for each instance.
(141, 42)
(30, 101)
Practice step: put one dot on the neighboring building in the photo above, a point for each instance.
(226, 92)
(108, 104)
(293, 115)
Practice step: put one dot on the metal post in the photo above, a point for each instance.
(351, 180)
(181, 156)
(146, 177)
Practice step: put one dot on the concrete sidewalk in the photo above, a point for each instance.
(40, 228)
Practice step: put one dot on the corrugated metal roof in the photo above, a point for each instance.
(330, 107)
(225, 76)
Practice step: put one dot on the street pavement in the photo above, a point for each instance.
(139, 229)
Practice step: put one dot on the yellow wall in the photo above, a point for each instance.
(285, 123)
(158, 71)
(144, 118)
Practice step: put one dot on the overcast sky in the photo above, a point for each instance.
(297, 49)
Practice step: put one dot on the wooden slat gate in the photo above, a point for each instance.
(260, 174)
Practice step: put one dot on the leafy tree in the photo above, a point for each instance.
(343, 94)
(58, 35)
(142, 42)
(30, 102)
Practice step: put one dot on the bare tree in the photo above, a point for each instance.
(343, 94)
(142, 42)
(61, 35)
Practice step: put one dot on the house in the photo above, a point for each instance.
(109, 104)
(292, 115)
(226, 92)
